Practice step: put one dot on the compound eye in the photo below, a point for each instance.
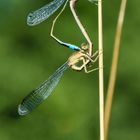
(84, 46)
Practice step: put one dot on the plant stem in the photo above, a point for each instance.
(112, 78)
(80, 25)
(101, 77)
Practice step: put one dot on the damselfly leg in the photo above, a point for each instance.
(86, 60)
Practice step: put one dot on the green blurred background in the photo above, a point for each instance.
(28, 55)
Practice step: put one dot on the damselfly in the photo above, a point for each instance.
(38, 16)
(37, 96)
(85, 54)
(46, 11)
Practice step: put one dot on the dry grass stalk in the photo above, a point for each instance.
(101, 77)
(113, 72)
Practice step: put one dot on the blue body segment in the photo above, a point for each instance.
(37, 96)
(44, 12)
(68, 45)
(71, 46)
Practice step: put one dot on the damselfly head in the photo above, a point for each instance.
(84, 46)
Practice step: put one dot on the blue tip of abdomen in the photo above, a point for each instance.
(71, 46)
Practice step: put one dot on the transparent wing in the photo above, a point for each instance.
(43, 13)
(37, 96)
